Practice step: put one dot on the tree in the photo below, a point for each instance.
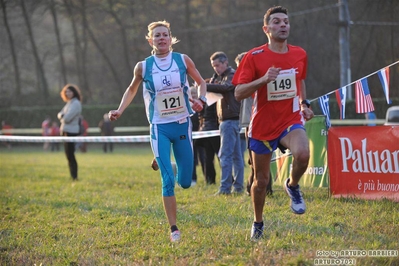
(42, 77)
(59, 43)
(12, 47)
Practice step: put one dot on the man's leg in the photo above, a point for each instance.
(238, 161)
(298, 143)
(226, 156)
(210, 172)
(261, 165)
(251, 174)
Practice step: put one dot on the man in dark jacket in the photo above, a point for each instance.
(209, 121)
(228, 112)
(107, 129)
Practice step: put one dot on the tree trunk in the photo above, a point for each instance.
(59, 44)
(123, 34)
(76, 39)
(107, 60)
(13, 53)
(85, 84)
(187, 19)
(39, 65)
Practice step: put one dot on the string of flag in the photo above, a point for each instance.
(363, 100)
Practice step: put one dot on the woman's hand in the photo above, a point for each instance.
(197, 105)
(60, 115)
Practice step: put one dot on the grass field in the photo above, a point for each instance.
(114, 216)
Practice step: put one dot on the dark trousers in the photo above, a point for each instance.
(211, 145)
(70, 155)
(199, 158)
(105, 146)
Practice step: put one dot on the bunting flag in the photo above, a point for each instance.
(363, 100)
(325, 108)
(364, 103)
(383, 74)
(340, 94)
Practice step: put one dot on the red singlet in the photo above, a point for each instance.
(276, 105)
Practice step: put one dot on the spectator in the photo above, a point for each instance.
(54, 131)
(6, 130)
(46, 124)
(199, 151)
(106, 129)
(69, 117)
(82, 146)
(228, 111)
(245, 113)
(211, 145)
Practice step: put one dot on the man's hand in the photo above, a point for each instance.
(271, 74)
(307, 113)
(114, 115)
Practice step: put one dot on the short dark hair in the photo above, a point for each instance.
(273, 10)
(219, 55)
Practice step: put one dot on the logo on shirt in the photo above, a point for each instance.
(166, 81)
(176, 70)
(257, 52)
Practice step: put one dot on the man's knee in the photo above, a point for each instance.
(262, 181)
(302, 157)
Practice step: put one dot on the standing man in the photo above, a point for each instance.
(275, 74)
(106, 129)
(228, 111)
(211, 145)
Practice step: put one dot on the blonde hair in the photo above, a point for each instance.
(239, 57)
(156, 24)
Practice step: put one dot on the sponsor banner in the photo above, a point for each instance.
(316, 175)
(364, 162)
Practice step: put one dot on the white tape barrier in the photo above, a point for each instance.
(141, 138)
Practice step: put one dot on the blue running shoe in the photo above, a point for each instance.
(256, 233)
(297, 203)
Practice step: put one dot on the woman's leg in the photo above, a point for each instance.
(70, 155)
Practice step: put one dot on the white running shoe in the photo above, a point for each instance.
(297, 203)
(175, 236)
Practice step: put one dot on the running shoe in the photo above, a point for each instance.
(175, 236)
(256, 233)
(297, 203)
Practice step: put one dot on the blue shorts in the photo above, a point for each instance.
(266, 147)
